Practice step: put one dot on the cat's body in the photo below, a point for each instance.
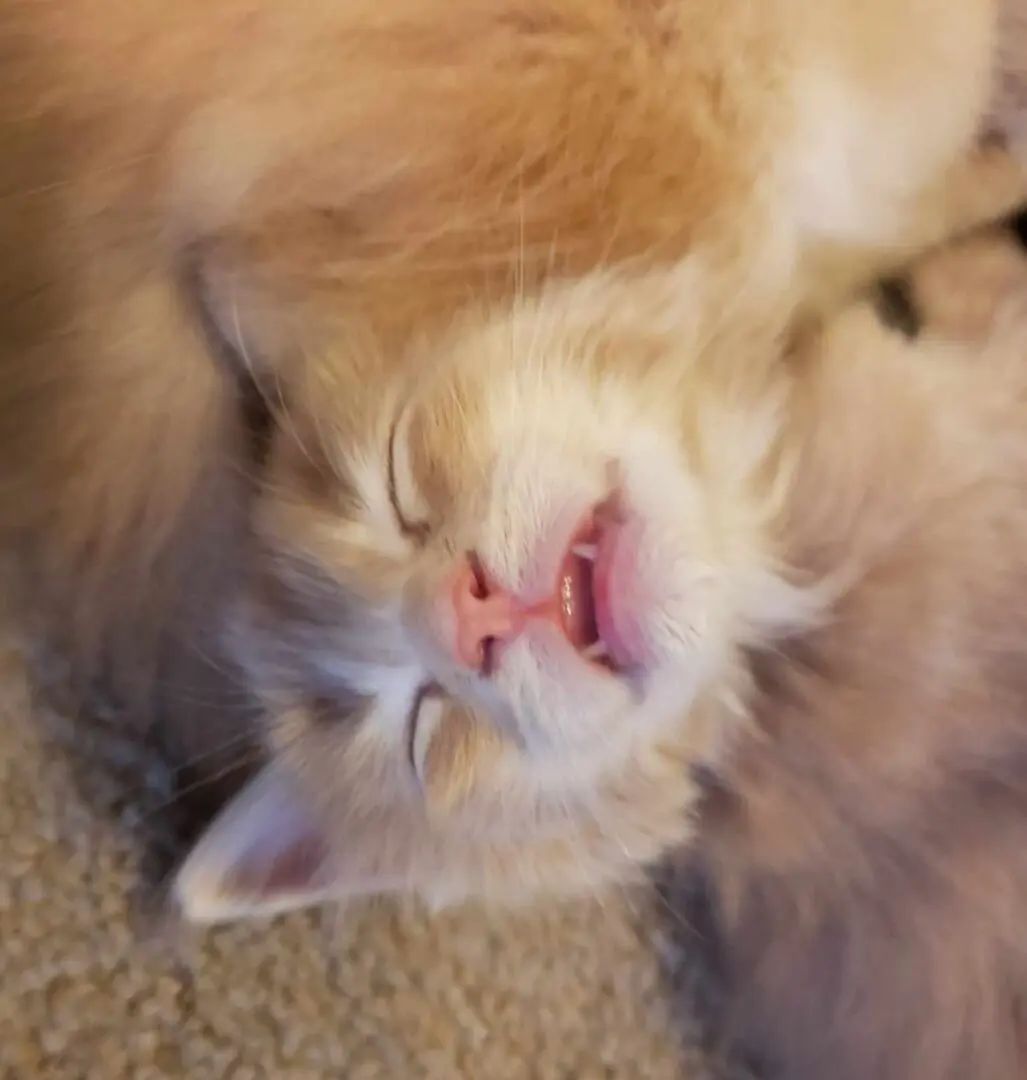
(864, 854)
(810, 587)
(266, 172)
(376, 210)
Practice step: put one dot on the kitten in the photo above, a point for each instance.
(579, 592)
(192, 191)
(858, 887)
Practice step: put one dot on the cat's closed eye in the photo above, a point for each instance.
(411, 522)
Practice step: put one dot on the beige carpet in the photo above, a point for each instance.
(566, 994)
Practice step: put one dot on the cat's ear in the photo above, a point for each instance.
(266, 852)
(271, 851)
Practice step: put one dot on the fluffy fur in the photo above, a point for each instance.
(194, 190)
(299, 304)
(830, 717)
(858, 882)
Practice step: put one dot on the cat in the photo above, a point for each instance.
(578, 595)
(193, 193)
(853, 905)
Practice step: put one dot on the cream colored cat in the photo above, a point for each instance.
(583, 581)
(518, 598)
(410, 365)
(510, 618)
(191, 182)
(215, 216)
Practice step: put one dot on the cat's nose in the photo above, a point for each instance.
(482, 615)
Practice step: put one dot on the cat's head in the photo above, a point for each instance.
(502, 585)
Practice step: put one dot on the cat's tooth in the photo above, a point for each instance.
(595, 651)
(585, 551)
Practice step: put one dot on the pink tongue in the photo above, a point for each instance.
(613, 605)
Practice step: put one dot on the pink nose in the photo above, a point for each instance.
(483, 615)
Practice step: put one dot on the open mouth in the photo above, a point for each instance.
(586, 591)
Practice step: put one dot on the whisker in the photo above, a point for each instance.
(199, 784)
(126, 164)
(211, 752)
(677, 917)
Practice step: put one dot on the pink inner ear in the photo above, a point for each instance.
(290, 870)
(267, 851)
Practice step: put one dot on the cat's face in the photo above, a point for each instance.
(490, 599)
